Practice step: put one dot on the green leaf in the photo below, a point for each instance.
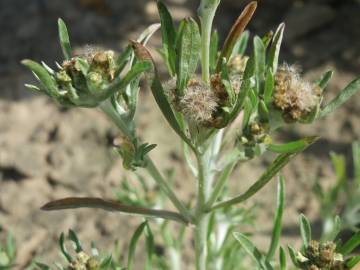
(259, 58)
(241, 45)
(10, 246)
(235, 32)
(45, 78)
(247, 112)
(214, 48)
(305, 230)
(325, 78)
(159, 95)
(63, 248)
(252, 251)
(119, 84)
(64, 39)
(292, 254)
(73, 237)
(122, 60)
(150, 247)
(133, 243)
(292, 147)
(356, 161)
(263, 111)
(42, 266)
(188, 53)
(276, 233)
(282, 259)
(110, 205)
(225, 79)
(350, 245)
(341, 98)
(271, 171)
(335, 230)
(269, 86)
(275, 48)
(352, 262)
(106, 263)
(168, 33)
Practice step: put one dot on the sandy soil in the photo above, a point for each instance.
(47, 152)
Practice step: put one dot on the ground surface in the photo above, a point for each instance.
(47, 152)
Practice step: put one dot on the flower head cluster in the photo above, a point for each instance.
(83, 80)
(294, 96)
(84, 262)
(320, 256)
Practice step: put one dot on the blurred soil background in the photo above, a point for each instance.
(49, 152)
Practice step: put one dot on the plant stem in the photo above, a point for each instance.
(154, 172)
(202, 217)
(206, 13)
(128, 130)
(206, 160)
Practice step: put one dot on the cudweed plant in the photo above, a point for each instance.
(224, 116)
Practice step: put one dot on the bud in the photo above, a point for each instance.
(295, 97)
(237, 64)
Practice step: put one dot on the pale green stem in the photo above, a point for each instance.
(206, 13)
(220, 184)
(128, 130)
(163, 184)
(201, 217)
(206, 160)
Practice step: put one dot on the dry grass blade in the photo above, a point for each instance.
(235, 32)
(111, 205)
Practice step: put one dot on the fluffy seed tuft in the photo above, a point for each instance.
(293, 95)
(198, 103)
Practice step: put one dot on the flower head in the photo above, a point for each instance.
(199, 103)
(293, 95)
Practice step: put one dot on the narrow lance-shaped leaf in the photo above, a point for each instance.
(110, 205)
(241, 45)
(168, 33)
(158, 93)
(45, 78)
(150, 246)
(214, 47)
(291, 147)
(73, 237)
(282, 259)
(236, 31)
(356, 160)
(276, 233)
(63, 248)
(133, 243)
(64, 39)
(271, 171)
(350, 245)
(119, 84)
(275, 48)
(325, 78)
(269, 86)
(305, 230)
(341, 98)
(293, 258)
(188, 53)
(252, 251)
(353, 262)
(259, 58)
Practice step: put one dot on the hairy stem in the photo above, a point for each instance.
(206, 160)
